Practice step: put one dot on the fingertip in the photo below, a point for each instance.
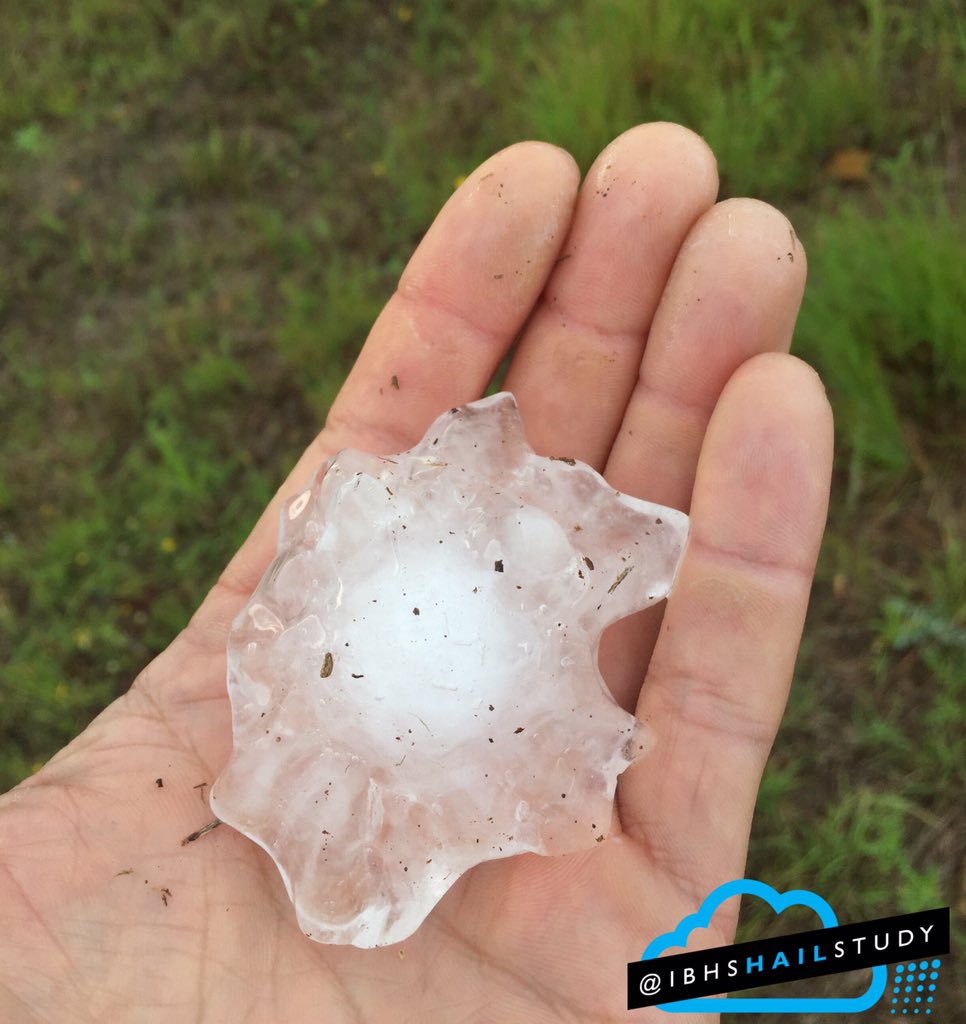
(759, 238)
(784, 382)
(773, 229)
(684, 152)
(670, 135)
(788, 398)
(693, 149)
(555, 155)
(493, 244)
(548, 166)
(765, 468)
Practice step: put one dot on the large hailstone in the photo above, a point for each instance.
(414, 682)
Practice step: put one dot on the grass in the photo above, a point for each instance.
(896, 272)
(206, 207)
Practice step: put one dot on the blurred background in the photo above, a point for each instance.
(203, 205)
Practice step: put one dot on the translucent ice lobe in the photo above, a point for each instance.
(413, 683)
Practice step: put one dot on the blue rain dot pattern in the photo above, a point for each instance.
(905, 978)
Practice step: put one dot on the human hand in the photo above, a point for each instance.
(107, 917)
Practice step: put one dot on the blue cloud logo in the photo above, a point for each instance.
(778, 902)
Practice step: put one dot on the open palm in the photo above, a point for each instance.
(651, 327)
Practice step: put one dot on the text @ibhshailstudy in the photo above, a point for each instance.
(798, 955)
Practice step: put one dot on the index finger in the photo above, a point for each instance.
(465, 294)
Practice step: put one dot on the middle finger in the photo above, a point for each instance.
(576, 364)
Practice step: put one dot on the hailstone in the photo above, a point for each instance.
(414, 682)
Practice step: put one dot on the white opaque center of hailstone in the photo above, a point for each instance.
(441, 637)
